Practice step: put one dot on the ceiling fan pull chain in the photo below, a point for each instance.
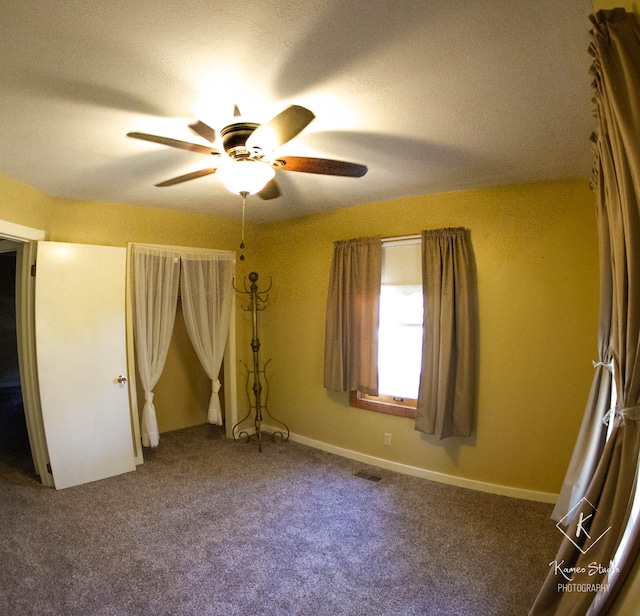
(244, 201)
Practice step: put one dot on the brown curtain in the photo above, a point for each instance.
(353, 305)
(593, 431)
(593, 536)
(447, 382)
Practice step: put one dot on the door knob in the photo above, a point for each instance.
(122, 379)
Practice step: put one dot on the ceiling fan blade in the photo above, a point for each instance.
(188, 176)
(270, 191)
(280, 129)
(204, 130)
(175, 143)
(323, 166)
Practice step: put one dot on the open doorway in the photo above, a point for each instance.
(22, 241)
(192, 388)
(15, 451)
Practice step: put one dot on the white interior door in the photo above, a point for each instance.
(81, 353)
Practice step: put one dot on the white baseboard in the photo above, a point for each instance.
(491, 488)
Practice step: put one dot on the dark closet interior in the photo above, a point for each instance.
(14, 440)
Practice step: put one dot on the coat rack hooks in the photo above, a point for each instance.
(257, 402)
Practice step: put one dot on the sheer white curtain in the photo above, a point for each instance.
(207, 292)
(156, 275)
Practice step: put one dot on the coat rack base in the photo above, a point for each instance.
(260, 435)
(262, 429)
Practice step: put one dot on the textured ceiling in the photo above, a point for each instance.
(431, 95)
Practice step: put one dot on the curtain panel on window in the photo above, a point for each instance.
(446, 397)
(605, 515)
(593, 431)
(207, 292)
(156, 274)
(353, 305)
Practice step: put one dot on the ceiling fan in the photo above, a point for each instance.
(248, 163)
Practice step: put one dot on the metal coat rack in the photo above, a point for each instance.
(257, 401)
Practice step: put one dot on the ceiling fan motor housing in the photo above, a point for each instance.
(234, 139)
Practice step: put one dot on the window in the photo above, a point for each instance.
(400, 331)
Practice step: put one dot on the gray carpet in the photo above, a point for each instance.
(211, 527)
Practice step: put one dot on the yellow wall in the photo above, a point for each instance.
(630, 5)
(24, 205)
(536, 253)
(112, 224)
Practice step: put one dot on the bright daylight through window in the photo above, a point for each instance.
(400, 330)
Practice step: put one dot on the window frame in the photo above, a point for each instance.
(389, 405)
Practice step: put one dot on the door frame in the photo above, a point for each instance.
(26, 239)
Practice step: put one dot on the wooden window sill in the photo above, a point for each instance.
(382, 404)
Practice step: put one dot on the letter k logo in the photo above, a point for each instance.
(580, 528)
(579, 523)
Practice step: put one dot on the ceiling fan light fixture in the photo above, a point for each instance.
(249, 165)
(245, 175)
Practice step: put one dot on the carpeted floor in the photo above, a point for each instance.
(211, 527)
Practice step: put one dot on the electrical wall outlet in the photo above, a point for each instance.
(387, 438)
